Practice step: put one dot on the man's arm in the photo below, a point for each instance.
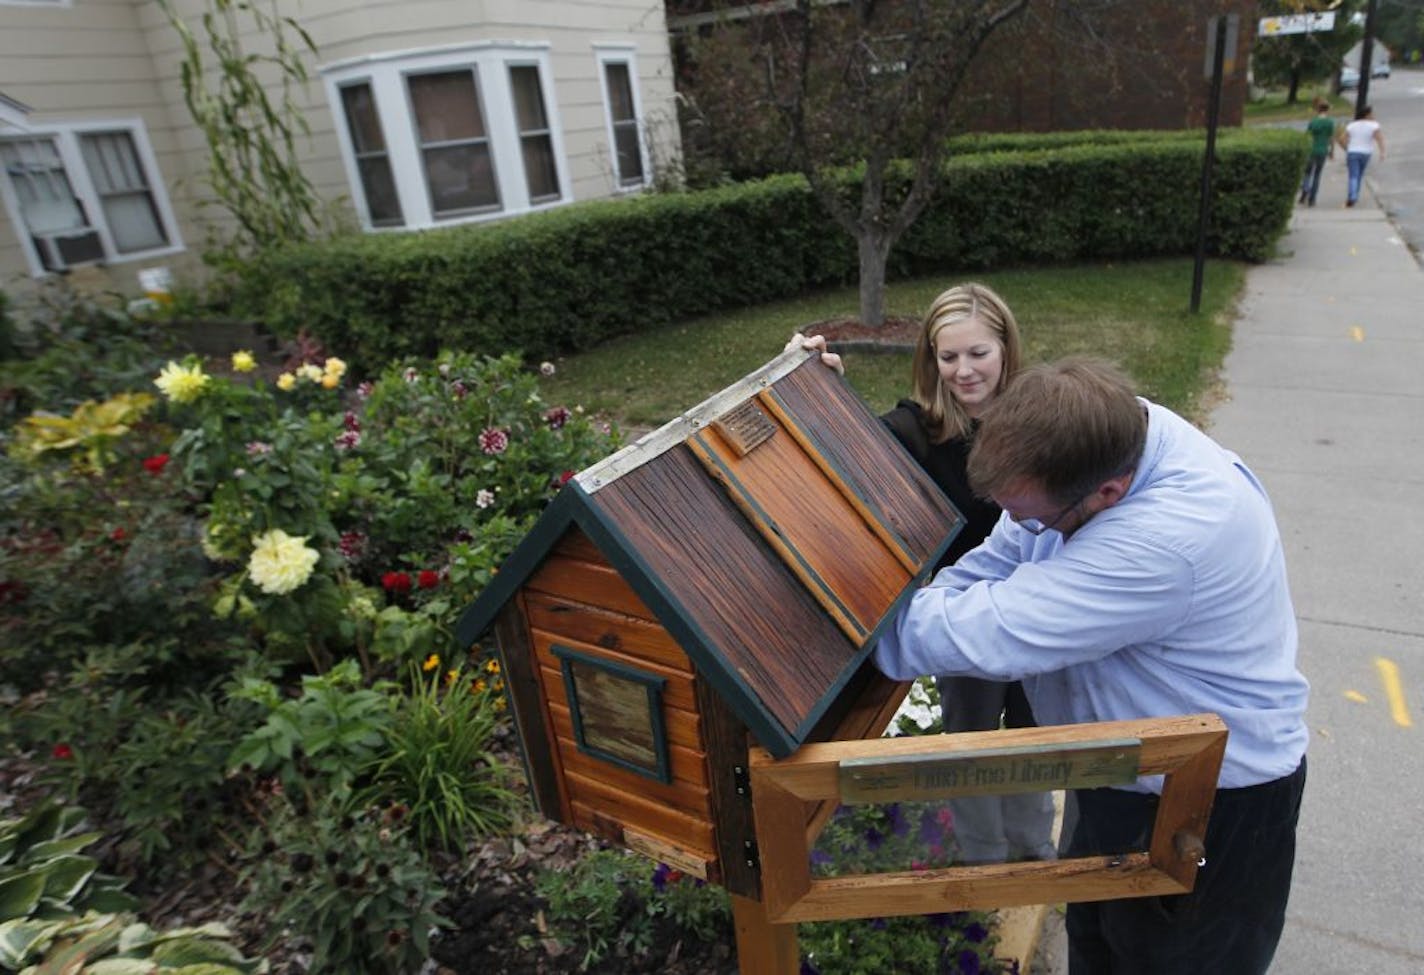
(1087, 600)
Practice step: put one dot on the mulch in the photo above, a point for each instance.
(847, 334)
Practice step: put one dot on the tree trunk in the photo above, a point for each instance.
(874, 251)
(1294, 86)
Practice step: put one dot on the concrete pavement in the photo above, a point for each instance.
(1324, 398)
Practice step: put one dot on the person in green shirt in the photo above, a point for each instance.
(1322, 146)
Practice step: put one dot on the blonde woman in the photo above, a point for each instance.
(968, 351)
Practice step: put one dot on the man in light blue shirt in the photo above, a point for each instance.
(1136, 572)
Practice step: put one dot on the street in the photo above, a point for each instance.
(1399, 180)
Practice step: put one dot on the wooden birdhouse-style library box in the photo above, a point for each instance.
(717, 585)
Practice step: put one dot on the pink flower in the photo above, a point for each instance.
(348, 440)
(257, 448)
(458, 389)
(494, 441)
(427, 579)
(365, 389)
(556, 417)
(155, 464)
(351, 422)
(410, 375)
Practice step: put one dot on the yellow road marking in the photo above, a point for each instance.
(1357, 333)
(1357, 697)
(1389, 674)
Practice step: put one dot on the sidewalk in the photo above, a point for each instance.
(1323, 395)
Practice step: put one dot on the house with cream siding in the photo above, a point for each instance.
(422, 114)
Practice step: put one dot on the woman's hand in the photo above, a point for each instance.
(817, 343)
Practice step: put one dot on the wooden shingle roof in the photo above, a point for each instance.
(772, 530)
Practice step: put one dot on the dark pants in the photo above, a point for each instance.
(1229, 924)
(1310, 186)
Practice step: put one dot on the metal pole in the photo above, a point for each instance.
(1367, 59)
(1204, 207)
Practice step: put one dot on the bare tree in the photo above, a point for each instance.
(874, 82)
(874, 88)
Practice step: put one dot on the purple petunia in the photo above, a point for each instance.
(975, 933)
(968, 961)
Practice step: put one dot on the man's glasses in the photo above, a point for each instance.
(1036, 527)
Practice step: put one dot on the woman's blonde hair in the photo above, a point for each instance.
(944, 417)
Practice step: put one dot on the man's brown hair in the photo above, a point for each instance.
(1068, 426)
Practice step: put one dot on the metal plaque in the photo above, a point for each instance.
(990, 771)
(745, 427)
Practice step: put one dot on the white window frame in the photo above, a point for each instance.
(66, 137)
(627, 54)
(490, 62)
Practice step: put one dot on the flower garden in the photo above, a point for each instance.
(239, 734)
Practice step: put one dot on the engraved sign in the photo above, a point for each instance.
(745, 427)
(990, 771)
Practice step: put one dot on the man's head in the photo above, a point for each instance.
(1059, 444)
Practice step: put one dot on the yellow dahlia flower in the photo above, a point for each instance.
(310, 371)
(286, 381)
(181, 384)
(334, 367)
(243, 361)
(280, 562)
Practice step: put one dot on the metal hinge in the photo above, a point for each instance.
(749, 853)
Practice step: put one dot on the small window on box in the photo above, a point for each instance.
(617, 712)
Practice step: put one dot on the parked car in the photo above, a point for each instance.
(1349, 78)
(1380, 70)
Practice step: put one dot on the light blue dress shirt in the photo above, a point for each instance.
(1172, 601)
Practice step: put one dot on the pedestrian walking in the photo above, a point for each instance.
(1322, 146)
(1359, 140)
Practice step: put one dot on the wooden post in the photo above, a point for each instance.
(763, 948)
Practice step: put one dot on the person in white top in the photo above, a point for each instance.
(1359, 139)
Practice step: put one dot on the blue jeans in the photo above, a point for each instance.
(1233, 917)
(1355, 162)
(1310, 186)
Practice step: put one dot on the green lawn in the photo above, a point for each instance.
(1134, 313)
(1273, 107)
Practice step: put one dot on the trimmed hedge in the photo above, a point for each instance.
(567, 279)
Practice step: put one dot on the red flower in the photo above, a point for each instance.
(118, 534)
(62, 752)
(427, 579)
(395, 582)
(557, 417)
(156, 463)
(566, 477)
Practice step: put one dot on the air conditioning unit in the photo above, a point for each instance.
(69, 248)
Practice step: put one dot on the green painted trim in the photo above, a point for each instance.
(868, 647)
(674, 617)
(521, 564)
(575, 506)
(652, 684)
(733, 483)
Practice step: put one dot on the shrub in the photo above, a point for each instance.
(611, 904)
(569, 278)
(350, 885)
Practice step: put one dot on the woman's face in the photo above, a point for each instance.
(971, 362)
